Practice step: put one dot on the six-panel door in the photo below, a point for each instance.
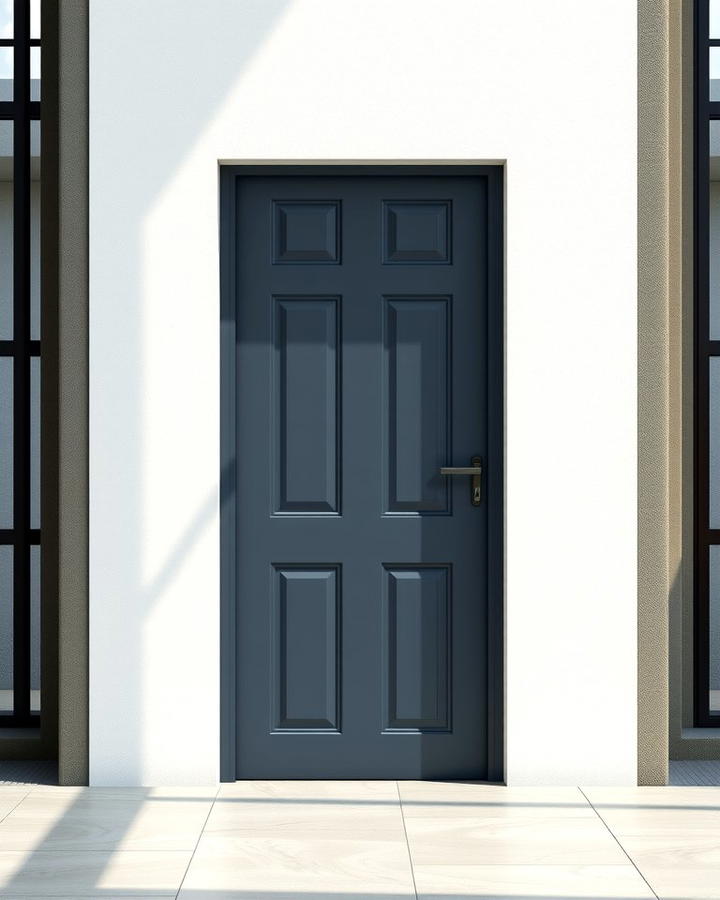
(361, 572)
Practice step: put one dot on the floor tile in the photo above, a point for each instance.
(658, 813)
(684, 865)
(624, 823)
(341, 810)
(684, 883)
(459, 790)
(275, 840)
(445, 841)
(362, 792)
(52, 822)
(302, 821)
(683, 849)
(663, 793)
(686, 798)
(458, 800)
(9, 799)
(497, 882)
(298, 868)
(125, 793)
(70, 874)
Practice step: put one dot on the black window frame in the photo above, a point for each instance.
(21, 111)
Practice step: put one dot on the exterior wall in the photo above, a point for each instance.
(680, 340)
(659, 43)
(313, 80)
(65, 383)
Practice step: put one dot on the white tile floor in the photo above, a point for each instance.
(354, 840)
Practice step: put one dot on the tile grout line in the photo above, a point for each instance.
(407, 842)
(612, 834)
(197, 843)
(12, 810)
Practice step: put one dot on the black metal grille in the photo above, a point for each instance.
(21, 110)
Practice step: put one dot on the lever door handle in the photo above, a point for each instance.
(474, 470)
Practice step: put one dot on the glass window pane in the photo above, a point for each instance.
(35, 442)
(6, 628)
(6, 73)
(34, 73)
(35, 18)
(714, 629)
(714, 257)
(35, 629)
(6, 18)
(714, 19)
(35, 150)
(715, 73)
(6, 232)
(714, 441)
(35, 232)
(6, 442)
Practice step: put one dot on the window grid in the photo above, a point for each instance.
(21, 111)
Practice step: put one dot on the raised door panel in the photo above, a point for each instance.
(305, 407)
(418, 404)
(417, 231)
(305, 669)
(418, 658)
(306, 231)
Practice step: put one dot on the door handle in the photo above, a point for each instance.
(474, 470)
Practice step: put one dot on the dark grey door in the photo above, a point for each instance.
(361, 572)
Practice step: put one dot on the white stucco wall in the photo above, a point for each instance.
(175, 87)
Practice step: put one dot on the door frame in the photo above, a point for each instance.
(494, 480)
